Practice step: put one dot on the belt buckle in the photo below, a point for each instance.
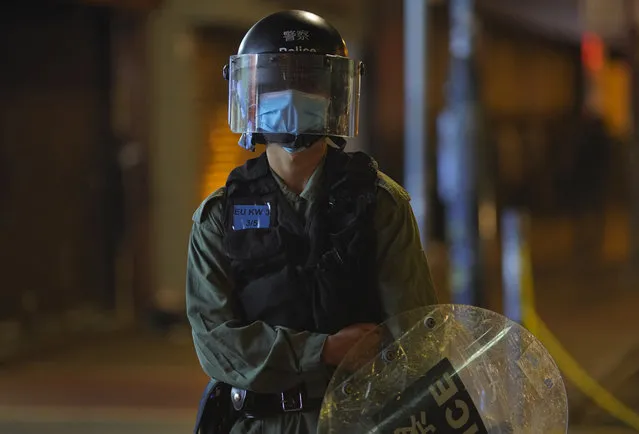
(290, 405)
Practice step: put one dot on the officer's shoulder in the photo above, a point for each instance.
(387, 185)
(208, 205)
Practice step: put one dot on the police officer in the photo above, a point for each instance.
(306, 248)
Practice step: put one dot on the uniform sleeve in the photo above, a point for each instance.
(256, 356)
(404, 275)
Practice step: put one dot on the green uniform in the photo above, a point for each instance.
(268, 359)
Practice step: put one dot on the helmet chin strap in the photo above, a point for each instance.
(291, 142)
(300, 142)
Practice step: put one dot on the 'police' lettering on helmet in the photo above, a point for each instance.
(298, 48)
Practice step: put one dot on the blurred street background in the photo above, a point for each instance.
(511, 123)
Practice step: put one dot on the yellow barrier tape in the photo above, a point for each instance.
(569, 366)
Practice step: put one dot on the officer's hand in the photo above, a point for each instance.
(340, 343)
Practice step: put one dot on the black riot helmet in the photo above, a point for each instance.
(292, 82)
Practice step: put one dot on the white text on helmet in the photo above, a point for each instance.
(297, 48)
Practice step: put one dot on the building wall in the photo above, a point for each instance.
(58, 209)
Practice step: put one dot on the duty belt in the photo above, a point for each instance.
(260, 405)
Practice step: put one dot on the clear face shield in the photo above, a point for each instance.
(294, 94)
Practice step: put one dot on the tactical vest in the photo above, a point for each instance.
(317, 275)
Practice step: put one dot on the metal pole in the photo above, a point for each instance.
(512, 234)
(415, 109)
(457, 154)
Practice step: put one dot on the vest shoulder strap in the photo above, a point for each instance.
(203, 211)
(253, 169)
(397, 192)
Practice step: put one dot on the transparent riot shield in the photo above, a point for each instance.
(446, 369)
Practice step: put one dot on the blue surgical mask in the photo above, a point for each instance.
(292, 112)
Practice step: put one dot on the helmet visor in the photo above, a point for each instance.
(294, 94)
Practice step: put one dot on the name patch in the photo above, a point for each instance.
(251, 217)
